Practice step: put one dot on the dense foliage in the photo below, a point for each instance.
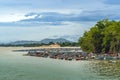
(103, 37)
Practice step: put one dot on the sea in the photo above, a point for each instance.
(16, 66)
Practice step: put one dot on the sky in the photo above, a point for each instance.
(40, 19)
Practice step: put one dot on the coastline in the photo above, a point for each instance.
(64, 53)
(21, 54)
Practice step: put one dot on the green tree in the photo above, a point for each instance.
(104, 37)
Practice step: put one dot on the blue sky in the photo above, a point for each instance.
(39, 19)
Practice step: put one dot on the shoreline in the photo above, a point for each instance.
(25, 53)
(65, 53)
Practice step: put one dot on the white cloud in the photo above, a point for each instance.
(11, 17)
(83, 11)
(40, 32)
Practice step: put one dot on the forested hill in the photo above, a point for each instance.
(104, 37)
(61, 41)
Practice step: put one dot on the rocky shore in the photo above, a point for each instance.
(68, 53)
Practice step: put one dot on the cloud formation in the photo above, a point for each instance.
(56, 18)
(69, 17)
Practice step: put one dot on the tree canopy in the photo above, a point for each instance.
(103, 37)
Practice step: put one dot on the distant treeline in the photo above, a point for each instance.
(62, 44)
(103, 37)
(71, 44)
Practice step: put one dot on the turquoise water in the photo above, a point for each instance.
(14, 66)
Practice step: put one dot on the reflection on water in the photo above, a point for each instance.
(110, 69)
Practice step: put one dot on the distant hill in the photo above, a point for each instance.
(23, 42)
(60, 40)
(45, 41)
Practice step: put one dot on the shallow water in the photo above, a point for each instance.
(15, 66)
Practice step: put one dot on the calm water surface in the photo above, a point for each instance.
(14, 66)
